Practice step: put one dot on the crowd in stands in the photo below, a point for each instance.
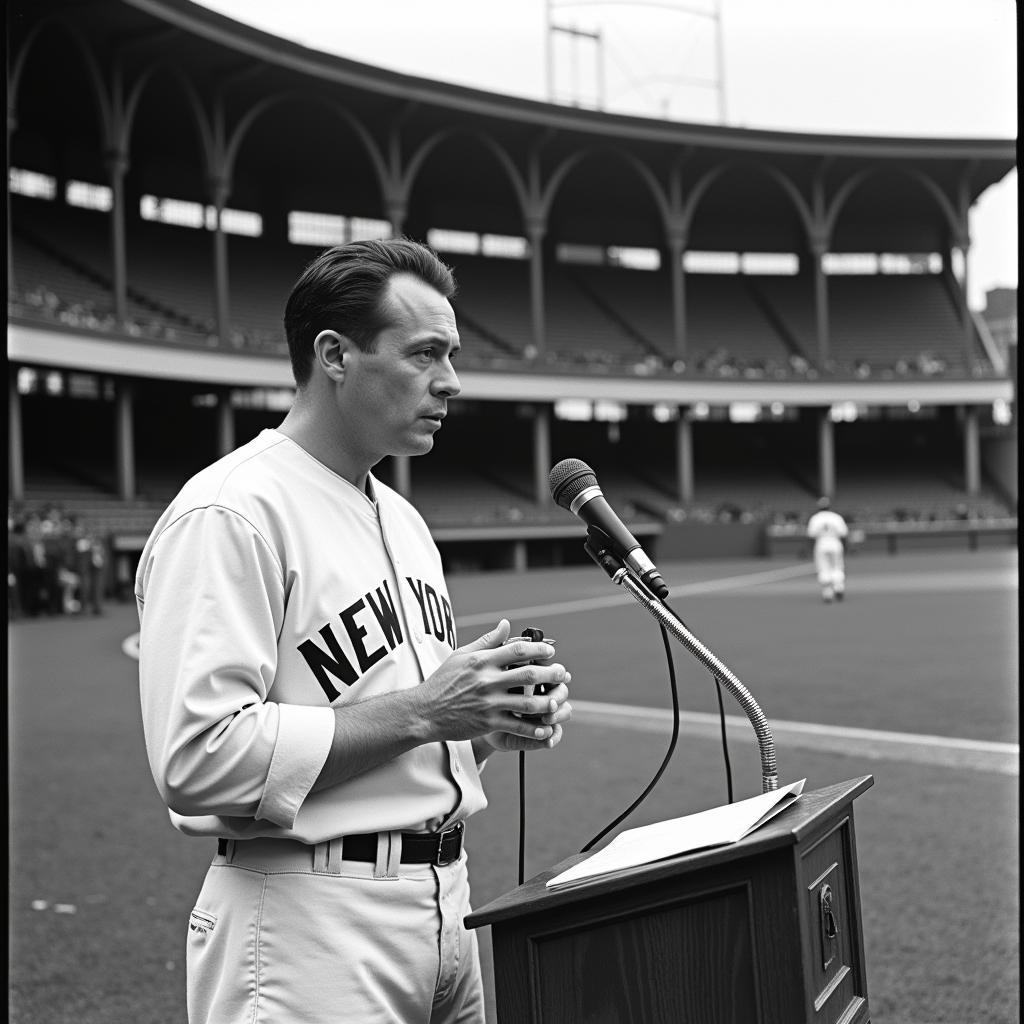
(56, 565)
(722, 364)
(924, 364)
(41, 302)
(728, 512)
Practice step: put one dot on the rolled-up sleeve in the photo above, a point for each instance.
(211, 602)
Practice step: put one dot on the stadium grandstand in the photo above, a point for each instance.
(725, 323)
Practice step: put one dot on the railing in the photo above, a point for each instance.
(603, 364)
(792, 538)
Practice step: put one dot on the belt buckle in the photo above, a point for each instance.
(455, 829)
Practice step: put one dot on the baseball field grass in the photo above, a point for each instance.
(925, 646)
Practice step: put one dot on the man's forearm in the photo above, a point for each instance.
(370, 733)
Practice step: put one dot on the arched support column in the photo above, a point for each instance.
(541, 453)
(684, 457)
(117, 167)
(403, 475)
(397, 210)
(958, 262)
(519, 559)
(15, 445)
(677, 277)
(826, 454)
(536, 228)
(972, 451)
(12, 124)
(219, 191)
(818, 247)
(125, 439)
(225, 422)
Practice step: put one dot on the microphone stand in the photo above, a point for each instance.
(597, 546)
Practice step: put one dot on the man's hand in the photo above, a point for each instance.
(560, 710)
(468, 697)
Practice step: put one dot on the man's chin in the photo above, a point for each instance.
(419, 445)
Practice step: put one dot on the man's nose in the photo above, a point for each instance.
(447, 383)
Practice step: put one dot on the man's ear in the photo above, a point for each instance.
(330, 350)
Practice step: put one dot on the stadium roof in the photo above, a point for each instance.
(257, 63)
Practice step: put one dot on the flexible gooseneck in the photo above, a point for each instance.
(620, 575)
(765, 741)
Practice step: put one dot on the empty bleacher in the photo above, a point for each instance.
(495, 295)
(173, 267)
(103, 512)
(870, 491)
(725, 323)
(757, 490)
(641, 299)
(791, 301)
(580, 325)
(448, 495)
(35, 268)
(54, 285)
(67, 254)
(260, 278)
(880, 319)
(608, 317)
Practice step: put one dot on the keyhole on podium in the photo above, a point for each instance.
(829, 928)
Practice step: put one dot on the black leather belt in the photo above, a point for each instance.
(438, 848)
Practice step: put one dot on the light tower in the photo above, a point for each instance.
(599, 38)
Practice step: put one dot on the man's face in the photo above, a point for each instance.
(393, 399)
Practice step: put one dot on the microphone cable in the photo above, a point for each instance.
(661, 768)
(522, 816)
(725, 742)
(721, 714)
(668, 755)
(534, 634)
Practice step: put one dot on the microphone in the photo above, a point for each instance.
(574, 486)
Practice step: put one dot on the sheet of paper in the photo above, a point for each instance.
(718, 826)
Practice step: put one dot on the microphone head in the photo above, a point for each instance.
(568, 478)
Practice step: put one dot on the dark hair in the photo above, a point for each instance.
(342, 289)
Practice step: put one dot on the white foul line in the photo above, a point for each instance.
(949, 751)
(585, 604)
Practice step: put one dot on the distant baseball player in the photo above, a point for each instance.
(304, 699)
(828, 531)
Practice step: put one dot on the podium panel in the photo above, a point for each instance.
(630, 964)
(763, 931)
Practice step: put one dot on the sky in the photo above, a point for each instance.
(936, 68)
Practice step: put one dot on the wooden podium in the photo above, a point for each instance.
(763, 931)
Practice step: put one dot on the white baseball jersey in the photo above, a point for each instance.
(271, 591)
(828, 529)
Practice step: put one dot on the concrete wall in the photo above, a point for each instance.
(710, 540)
(999, 461)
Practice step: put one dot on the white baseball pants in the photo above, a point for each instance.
(282, 936)
(830, 566)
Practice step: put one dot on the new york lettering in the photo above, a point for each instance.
(329, 663)
(334, 662)
(435, 609)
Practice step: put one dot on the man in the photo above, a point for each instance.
(89, 562)
(828, 530)
(18, 557)
(303, 698)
